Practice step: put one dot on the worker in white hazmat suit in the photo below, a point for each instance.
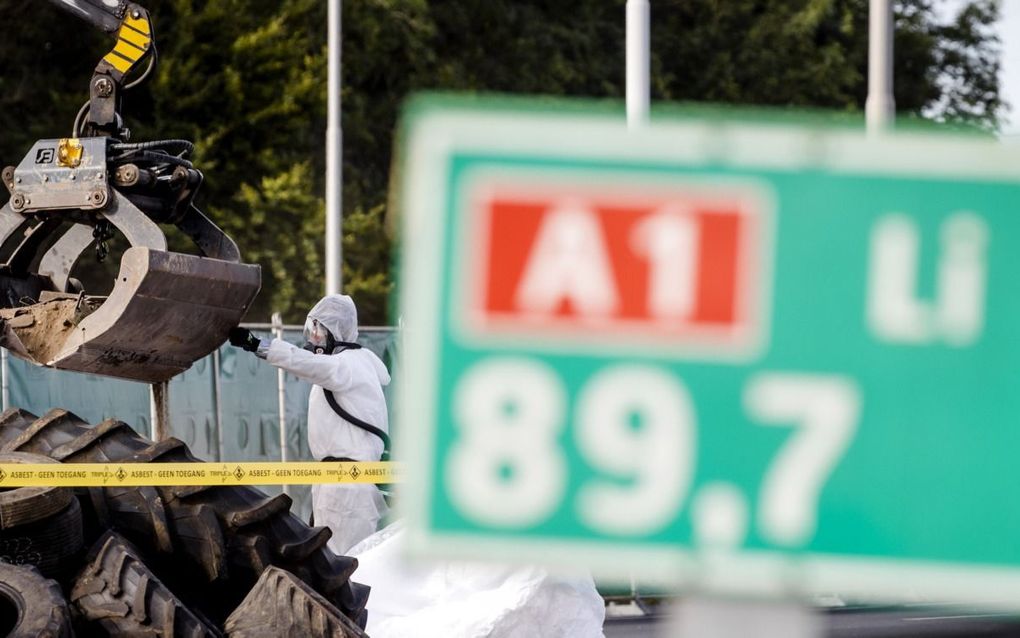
(347, 419)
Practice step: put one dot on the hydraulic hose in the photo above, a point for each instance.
(176, 147)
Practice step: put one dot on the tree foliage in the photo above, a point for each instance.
(245, 79)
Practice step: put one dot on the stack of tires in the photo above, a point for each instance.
(157, 561)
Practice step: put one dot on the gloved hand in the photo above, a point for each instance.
(243, 338)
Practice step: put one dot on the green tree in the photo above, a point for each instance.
(245, 79)
(782, 53)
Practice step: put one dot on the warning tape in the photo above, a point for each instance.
(148, 474)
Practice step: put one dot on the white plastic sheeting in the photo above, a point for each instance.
(470, 600)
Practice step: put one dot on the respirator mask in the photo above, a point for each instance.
(318, 339)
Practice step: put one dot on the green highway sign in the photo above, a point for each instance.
(758, 356)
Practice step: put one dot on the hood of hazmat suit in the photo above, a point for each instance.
(335, 313)
(356, 378)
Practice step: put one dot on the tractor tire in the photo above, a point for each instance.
(117, 595)
(52, 545)
(22, 505)
(217, 540)
(31, 606)
(282, 605)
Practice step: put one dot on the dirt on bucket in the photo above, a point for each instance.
(44, 327)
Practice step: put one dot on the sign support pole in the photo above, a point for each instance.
(728, 618)
(638, 54)
(334, 156)
(638, 44)
(880, 107)
(703, 616)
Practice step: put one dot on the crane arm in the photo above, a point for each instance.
(133, 27)
(103, 15)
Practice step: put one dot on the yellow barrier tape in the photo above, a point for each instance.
(146, 474)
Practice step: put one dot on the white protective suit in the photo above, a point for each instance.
(356, 378)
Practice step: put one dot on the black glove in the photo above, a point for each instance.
(243, 338)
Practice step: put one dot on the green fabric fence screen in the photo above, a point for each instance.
(247, 394)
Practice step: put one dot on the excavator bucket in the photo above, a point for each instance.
(166, 311)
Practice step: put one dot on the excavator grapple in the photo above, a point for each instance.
(71, 196)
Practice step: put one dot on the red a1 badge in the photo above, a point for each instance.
(682, 264)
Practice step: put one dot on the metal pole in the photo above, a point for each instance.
(880, 108)
(153, 413)
(5, 379)
(638, 45)
(281, 394)
(159, 410)
(707, 617)
(217, 403)
(334, 156)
